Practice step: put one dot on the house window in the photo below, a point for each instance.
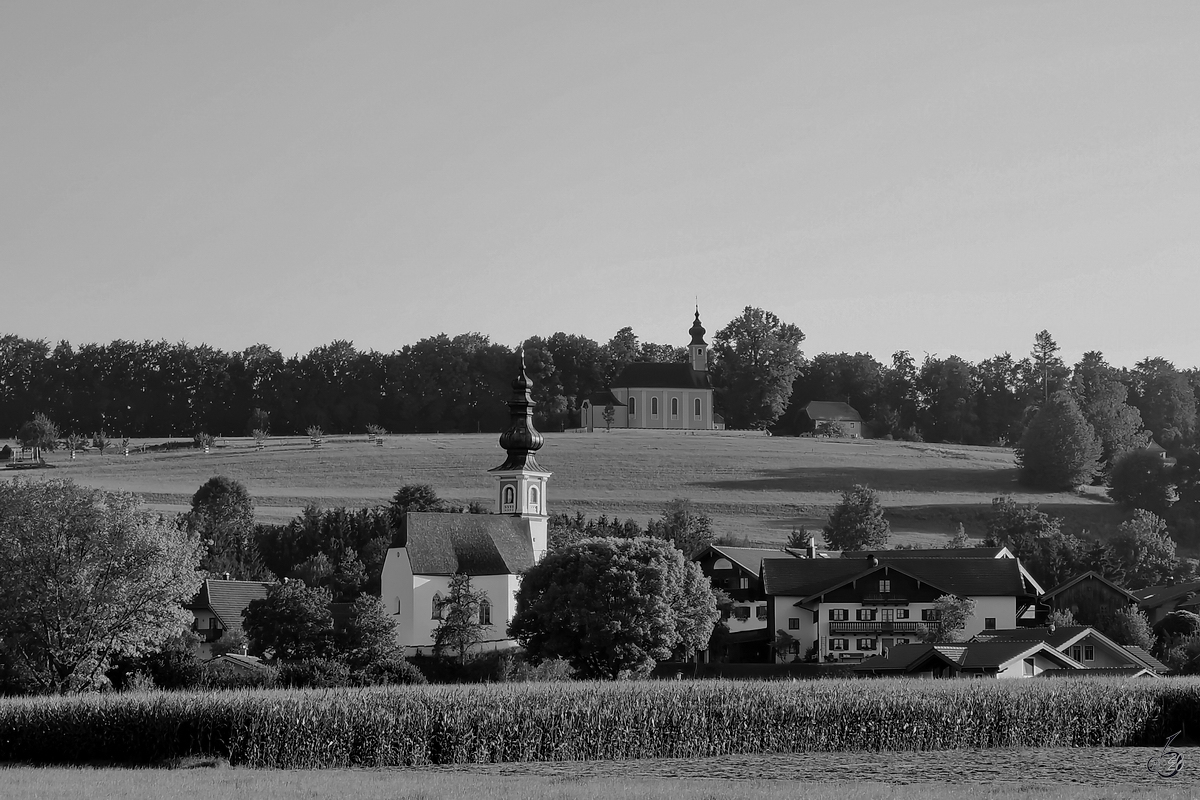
(674, 408)
(866, 615)
(485, 612)
(902, 641)
(885, 587)
(839, 644)
(887, 615)
(742, 612)
(794, 648)
(437, 605)
(696, 408)
(793, 623)
(930, 614)
(722, 563)
(838, 614)
(743, 583)
(632, 408)
(989, 623)
(654, 406)
(866, 644)
(1089, 653)
(762, 612)
(1077, 653)
(901, 613)
(212, 623)
(1029, 670)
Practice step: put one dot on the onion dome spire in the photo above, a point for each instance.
(697, 330)
(521, 440)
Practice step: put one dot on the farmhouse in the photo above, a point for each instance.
(970, 660)
(658, 395)
(848, 609)
(493, 549)
(1083, 644)
(819, 412)
(217, 609)
(1090, 598)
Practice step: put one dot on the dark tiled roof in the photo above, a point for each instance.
(986, 577)
(1153, 596)
(604, 398)
(642, 375)
(1145, 658)
(474, 544)
(1056, 638)
(750, 558)
(228, 599)
(993, 655)
(820, 409)
(942, 552)
(1091, 576)
(908, 657)
(1112, 672)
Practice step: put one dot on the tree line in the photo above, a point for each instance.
(459, 384)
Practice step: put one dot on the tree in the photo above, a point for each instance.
(1166, 400)
(223, 515)
(39, 432)
(1061, 618)
(614, 607)
(947, 391)
(460, 626)
(950, 616)
(415, 497)
(368, 637)
(684, 526)
(1130, 626)
(1102, 398)
(89, 575)
(1059, 450)
(959, 539)
(857, 522)
(1045, 358)
(1146, 551)
(1142, 479)
(293, 622)
(757, 359)
(610, 414)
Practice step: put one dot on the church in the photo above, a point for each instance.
(655, 395)
(493, 549)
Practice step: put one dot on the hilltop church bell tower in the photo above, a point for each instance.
(520, 480)
(698, 349)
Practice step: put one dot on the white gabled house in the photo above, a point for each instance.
(493, 549)
(849, 609)
(969, 660)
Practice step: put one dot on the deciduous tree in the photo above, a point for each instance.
(757, 359)
(614, 607)
(951, 615)
(293, 622)
(89, 575)
(1142, 479)
(459, 627)
(857, 522)
(684, 525)
(1059, 450)
(1145, 550)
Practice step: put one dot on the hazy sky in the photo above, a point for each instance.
(936, 177)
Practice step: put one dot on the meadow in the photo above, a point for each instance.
(755, 487)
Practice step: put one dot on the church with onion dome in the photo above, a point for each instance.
(493, 549)
(671, 396)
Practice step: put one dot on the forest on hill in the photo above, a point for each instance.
(459, 384)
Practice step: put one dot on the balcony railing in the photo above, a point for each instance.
(878, 626)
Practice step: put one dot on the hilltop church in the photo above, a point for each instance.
(494, 549)
(657, 395)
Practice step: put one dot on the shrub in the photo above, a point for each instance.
(393, 671)
(6, 453)
(313, 673)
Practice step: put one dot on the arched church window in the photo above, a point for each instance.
(437, 605)
(485, 612)
(654, 406)
(696, 412)
(674, 408)
(632, 409)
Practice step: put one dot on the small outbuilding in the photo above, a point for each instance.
(819, 413)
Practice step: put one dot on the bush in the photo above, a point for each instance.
(314, 673)
(6, 453)
(1141, 479)
(390, 672)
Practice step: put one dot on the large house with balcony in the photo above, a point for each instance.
(849, 609)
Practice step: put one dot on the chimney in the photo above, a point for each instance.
(872, 560)
(226, 574)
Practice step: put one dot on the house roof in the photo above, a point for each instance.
(604, 398)
(1150, 661)
(978, 656)
(940, 552)
(909, 658)
(1096, 576)
(822, 409)
(968, 577)
(1154, 596)
(1063, 637)
(228, 599)
(238, 660)
(749, 558)
(662, 376)
(1119, 672)
(474, 544)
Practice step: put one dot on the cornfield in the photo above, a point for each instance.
(421, 725)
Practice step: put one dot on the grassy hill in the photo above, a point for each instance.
(754, 486)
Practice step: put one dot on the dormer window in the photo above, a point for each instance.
(885, 587)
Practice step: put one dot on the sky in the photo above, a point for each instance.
(943, 178)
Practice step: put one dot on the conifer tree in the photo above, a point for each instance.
(1059, 450)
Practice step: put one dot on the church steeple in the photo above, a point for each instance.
(698, 349)
(520, 480)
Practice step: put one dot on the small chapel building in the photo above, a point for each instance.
(658, 395)
(493, 549)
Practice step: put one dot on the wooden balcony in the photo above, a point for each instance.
(884, 599)
(878, 626)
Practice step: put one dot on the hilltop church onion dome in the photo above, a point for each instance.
(521, 440)
(697, 330)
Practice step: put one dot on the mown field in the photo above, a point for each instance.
(755, 487)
